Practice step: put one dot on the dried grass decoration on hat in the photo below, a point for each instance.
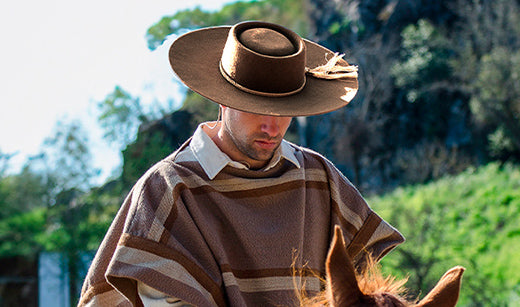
(263, 68)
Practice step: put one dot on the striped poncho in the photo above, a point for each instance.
(234, 240)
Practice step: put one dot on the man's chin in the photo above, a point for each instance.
(264, 155)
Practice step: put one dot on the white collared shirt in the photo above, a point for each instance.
(213, 160)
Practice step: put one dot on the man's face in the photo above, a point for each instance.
(254, 137)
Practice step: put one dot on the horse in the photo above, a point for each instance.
(346, 287)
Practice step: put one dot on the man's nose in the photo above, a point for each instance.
(270, 125)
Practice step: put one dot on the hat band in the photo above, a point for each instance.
(255, 92)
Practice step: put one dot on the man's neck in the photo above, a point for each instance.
(226, 145)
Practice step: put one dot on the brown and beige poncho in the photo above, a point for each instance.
(233, 240)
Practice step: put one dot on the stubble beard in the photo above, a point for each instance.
(246, 145)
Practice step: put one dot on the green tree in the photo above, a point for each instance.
(66, 165)
(66, 159)
(127, 122)
(22, 213)
(425, 77)
(487, 64)
(120, 116)
(22, 192)
(4, 162)
(497, 98)
(425, 60)
(23, 199)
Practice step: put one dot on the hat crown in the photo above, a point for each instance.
(267, 41)
(264, 59)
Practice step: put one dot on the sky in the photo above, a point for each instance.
(58, 58)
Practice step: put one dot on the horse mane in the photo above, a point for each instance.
(371, 282)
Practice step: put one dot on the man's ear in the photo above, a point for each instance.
(342, 285)
(446, 291)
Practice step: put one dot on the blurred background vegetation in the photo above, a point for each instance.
(432, 139)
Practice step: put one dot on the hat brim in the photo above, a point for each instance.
(195, 57)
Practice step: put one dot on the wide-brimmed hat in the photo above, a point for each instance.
(263, 68)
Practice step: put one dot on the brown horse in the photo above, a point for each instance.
(346, 288)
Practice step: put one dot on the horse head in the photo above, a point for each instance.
(345, 290)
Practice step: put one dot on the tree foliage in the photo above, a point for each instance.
(4, 162)
(120, 116)
(22, 192)
(498, 99)
(19, 233)
(488, 65)
(424, 63)
(65, 159)
(291, 13)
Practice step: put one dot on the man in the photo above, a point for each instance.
(227, 218)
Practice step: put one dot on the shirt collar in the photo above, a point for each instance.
(213, 160)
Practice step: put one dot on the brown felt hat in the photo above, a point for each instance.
(262, 68)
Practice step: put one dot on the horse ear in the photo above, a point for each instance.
(341, 276)
(446, 291)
